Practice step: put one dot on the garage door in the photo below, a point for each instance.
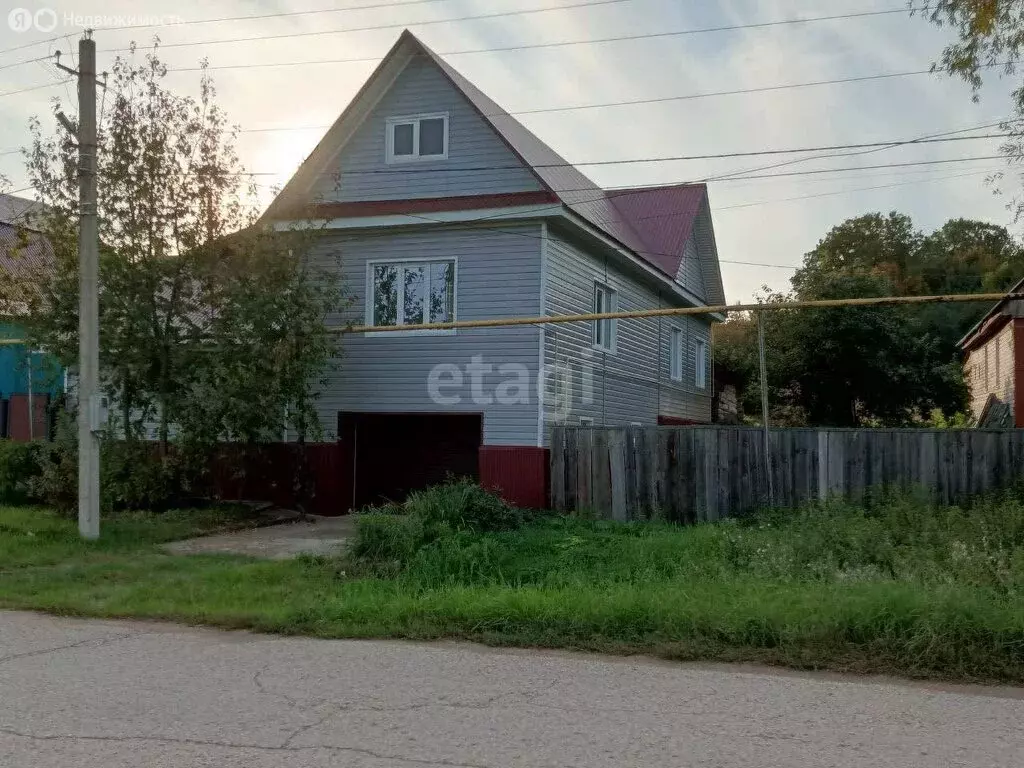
(397, 453)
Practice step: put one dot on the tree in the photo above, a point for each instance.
(878, 365)
(989, 38)
(211, 321)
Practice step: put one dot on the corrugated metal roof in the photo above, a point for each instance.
(25, 254)
(15, 210)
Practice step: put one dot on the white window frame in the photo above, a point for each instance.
(700, 364)
(675, 353)
(586, 421)
(414, 120)
(400, 308)
(611, 343)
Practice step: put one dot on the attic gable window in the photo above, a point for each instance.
(417, 137)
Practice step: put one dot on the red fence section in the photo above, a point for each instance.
(519, 474)
(18, 418)
(318, 476)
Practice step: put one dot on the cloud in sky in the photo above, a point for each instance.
(755, 221)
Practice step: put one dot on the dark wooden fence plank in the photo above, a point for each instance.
(571, 443)
(558, 465)
(617, 473)
(585, 475)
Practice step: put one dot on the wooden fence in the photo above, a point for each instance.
(692, 474)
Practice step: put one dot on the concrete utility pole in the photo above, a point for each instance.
(88, 293)
(764, 408)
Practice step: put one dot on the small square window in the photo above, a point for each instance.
(417, 137)
(604, 334)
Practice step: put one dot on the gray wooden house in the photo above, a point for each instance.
(441, 206)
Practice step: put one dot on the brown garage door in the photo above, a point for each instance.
(396, 453)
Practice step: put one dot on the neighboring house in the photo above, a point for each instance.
(29, 379)
(994, 364)
(725, 406)
(439, 207)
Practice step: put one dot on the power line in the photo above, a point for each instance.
(659, 99)
(23, 46)
(708, 179)
(862, 168)
(22, 63)
(918, 139)
(718, 94)
(675, 158)
(35, 88)
(537, 46)
(635, 102)
(618, 38)
(320, 32)
(214, 21)
(817, 195)
(279, 15)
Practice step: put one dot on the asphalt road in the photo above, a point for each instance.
(90, 694)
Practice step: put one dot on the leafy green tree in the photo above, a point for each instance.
(873, 365)
(211, 321)
(989, 42)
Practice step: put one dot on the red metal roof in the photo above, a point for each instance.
(664, 217)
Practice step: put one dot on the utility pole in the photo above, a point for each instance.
(764, 408)
(88, 291)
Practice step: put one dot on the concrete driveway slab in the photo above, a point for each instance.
(319, 536)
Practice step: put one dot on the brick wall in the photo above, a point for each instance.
(992, 369)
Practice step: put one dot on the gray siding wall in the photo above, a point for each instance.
(690, 274)
(704, 235)
(498, 275)
(634, 383)
(472, 143)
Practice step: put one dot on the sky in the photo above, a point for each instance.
(763, 226)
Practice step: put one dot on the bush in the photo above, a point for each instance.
(19, 465)
(132, 475)
(396, 534)
(462, 505)
(57, 482)
(135, 476)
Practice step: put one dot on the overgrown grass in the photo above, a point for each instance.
(36, 536)
(901, 588)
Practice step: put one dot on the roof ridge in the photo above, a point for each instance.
(656, 187)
